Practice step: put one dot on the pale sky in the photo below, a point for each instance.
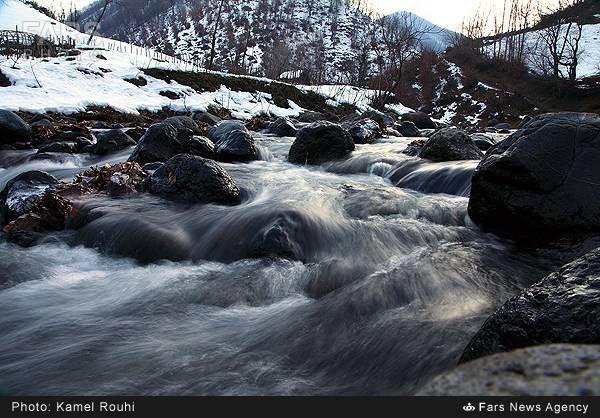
(445, 13)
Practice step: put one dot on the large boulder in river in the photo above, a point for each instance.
(188, 178)
(450, 144)
(282, 127)
(562, 308)
(420, 119)
(13, 128)
(111, 141)
(321, 142)
(159, 143)
(238, 145)
(547, 370)
(542, 180)
(162, 141)
(22, 192)
(220, 131)
(364, 131)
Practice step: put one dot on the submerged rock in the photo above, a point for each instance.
(542, 180)
(319, 143)
(238, 145)
(189, 178)
(13, 128)
(546, 370)
(22, 192)
(49, 213)
(562, 308)
(364, 131)
(450, 144)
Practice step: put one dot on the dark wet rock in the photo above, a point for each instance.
(159, 143)
(364, 131)
(220, 131)
(200, 146)
(561, 308)
(182, 122)
(278, 240)
(321, 142)
(189, 178)
(282, 127)
(83, 144)
(408, 129)
(382, 119)
(542, 180)
(311, 117)
(22, 192)
(546, 370)
(73, 53)
(116, 180)
(205, 117)
(136, 133)
(162, 141)
(482, 141)
(420, 119)
(13, 129)
(108, 142)
(238, 145)
(59, 147)
(414, 148)
(47, 214)
(450, 144)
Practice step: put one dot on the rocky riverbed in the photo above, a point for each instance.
(190, 255)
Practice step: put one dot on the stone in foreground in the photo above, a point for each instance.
(188, 178)
(321, 142)
(542, 180)
(562, 308)
(547, 370)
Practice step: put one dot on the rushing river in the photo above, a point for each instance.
(389, 281)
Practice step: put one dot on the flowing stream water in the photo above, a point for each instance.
(389, 281)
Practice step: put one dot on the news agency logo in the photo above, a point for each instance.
(468, 407)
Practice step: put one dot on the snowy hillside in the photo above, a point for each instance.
(589, 53)
(266, 37)
(97, 77)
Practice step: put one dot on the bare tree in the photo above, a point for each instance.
(99, 20)
(213, 41)
(397, 40)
